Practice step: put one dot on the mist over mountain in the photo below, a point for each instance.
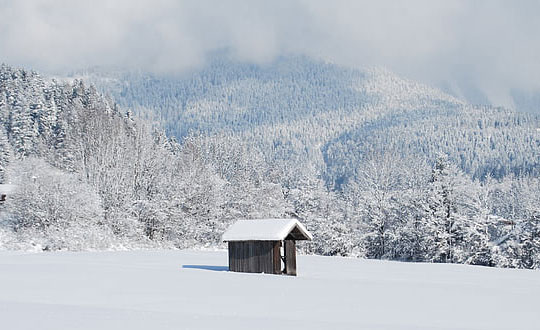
(480, 51)
(518, 99)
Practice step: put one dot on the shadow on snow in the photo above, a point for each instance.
(207, 267)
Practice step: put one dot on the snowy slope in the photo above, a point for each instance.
(170, 290)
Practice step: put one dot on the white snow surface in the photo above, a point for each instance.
(7, 188)
(263, 230)
(193, 290)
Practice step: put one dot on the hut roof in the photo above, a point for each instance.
(266, 230)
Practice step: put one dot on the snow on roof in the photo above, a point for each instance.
(265, 230)
(6, 188)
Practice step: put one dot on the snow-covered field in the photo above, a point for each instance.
(192, 290)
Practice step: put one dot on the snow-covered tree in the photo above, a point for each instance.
(54, 208)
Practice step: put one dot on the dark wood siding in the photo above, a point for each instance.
(232, 250)
(252, 256)
(290, 257)
(276, 255)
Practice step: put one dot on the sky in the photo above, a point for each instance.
(484, 51)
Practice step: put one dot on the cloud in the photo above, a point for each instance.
(485, 47)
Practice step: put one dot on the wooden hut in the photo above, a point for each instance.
(264, 246)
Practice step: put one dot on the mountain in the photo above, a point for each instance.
(374, 165)
(330, 116)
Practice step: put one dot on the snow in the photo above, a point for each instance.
(193, 290)
(7, 188)
(263, 230)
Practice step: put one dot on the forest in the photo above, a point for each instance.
(374, 165)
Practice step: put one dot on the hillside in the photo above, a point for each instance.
(192, 290)
(329, 116)
(376, 166)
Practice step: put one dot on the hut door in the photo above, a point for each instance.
(290, 257)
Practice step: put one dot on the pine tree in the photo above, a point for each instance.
(5, 154)
(448, 222)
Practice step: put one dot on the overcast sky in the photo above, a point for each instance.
(472, 47)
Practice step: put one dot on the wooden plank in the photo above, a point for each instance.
(238, 256)
(231, 255)
(266, 257)
(248, 253)
(261, 252)
(244, 257)
(259, 246)
(276, 256)
(252, 259)
(257, 256)
(234, 248)
(290, 257)
(247, 257)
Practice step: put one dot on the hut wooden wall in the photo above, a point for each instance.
(255, 257)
